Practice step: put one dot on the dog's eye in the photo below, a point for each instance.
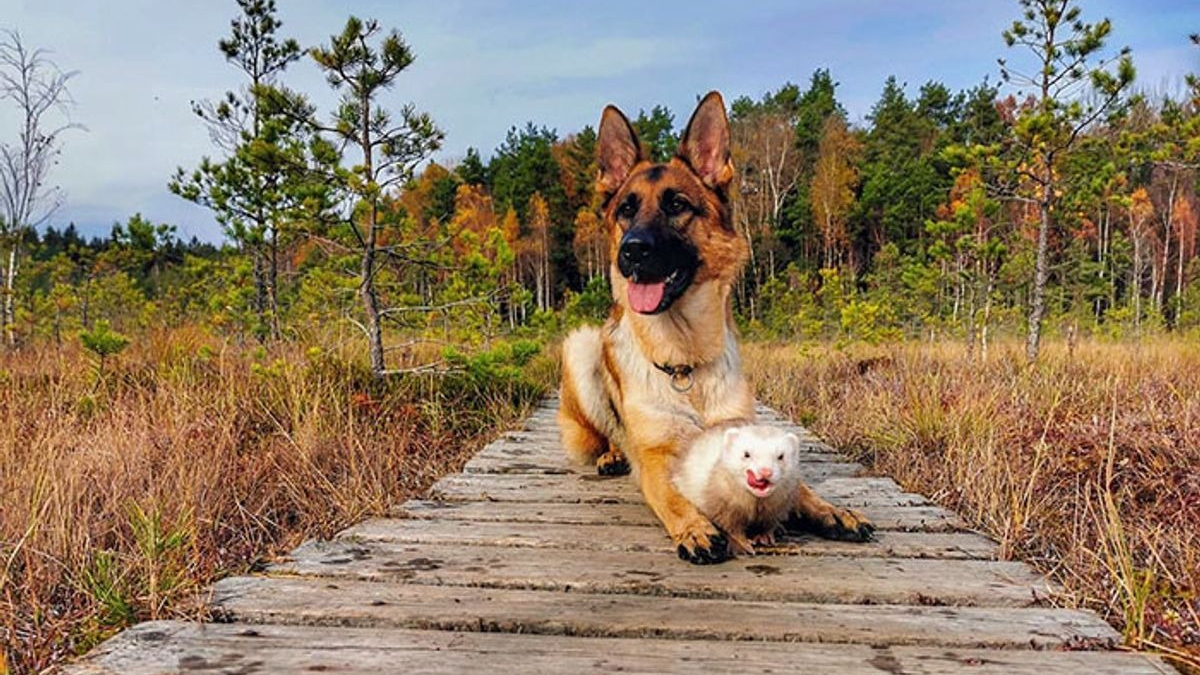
(675, 205)
(747, 455)
(628, 208)
(780, 458)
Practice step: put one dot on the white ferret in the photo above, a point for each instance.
(744, 478)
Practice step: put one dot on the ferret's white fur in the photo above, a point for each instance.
(712, 475)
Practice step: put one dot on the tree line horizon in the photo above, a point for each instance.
(1056, 198)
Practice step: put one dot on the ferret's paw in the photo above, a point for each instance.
(740, 545)
(701, 543)
(764, 539)
(612, 463)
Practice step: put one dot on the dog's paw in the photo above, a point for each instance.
(612, 463)
(704, 544)
(837, 523)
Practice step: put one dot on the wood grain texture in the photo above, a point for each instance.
(175, 647)
(591, 489)
(837, 579)
(548, 457)
(918, 518)
(305, 601)
(607, 537)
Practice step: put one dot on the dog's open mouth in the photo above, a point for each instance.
(652, 297)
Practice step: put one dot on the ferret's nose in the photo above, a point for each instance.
(765, 473)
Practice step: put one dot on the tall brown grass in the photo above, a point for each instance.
(1086, 464)
(192, 458)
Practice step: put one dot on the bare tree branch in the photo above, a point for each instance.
(38, 89)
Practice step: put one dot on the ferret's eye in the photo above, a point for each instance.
(781, 457)
(747, 455)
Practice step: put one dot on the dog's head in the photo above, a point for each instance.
(670, 226)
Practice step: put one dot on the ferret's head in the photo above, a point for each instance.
(760, 455)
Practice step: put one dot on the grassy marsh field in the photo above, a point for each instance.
(1086, 464)
(189, 458)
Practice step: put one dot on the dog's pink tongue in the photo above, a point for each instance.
(644, 298)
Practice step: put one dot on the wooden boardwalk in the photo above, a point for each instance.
(523, 563)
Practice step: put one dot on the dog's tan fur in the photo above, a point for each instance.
(616, 406)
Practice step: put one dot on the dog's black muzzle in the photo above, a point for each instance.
(655, 253)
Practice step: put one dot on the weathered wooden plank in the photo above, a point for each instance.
(544, 419)
(535, 448)
(817, 466)
(546, 434)
(484, 464)
(793, 578)
(571, 568)
(549, 432)
(919, 518)
(955, 545)
(545, 428)
(510, 457)
(297, 600)
(176, 647)
(503, 448)
(587, 488)
(550, 449)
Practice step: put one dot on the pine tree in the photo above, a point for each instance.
(656, 131)
(901, 187)
(387, 150)
(244, 189)
(1073, 87)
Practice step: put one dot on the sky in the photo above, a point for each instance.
(487, 65)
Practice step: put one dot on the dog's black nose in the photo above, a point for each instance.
(636, 247)
(651, 253)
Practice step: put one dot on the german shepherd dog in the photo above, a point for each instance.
(665, 365)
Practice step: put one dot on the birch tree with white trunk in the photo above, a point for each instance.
(33, 85)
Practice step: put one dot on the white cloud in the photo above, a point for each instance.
(483, 67)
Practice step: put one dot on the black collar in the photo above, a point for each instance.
(681, 375)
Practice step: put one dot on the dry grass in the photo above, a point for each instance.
(1087, 464)
(193, 459)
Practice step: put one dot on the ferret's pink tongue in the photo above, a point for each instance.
(644, 298)
(755, 482)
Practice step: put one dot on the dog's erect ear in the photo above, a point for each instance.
(617, 150)
(705, 143)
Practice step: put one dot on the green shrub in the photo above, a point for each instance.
(869, 322)
(102, 342)
(591, 305)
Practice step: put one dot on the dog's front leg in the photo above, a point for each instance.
(696, 539)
